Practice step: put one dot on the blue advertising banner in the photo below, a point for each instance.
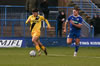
(90, 42)
(49, 42)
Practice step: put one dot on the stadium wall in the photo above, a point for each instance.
(49, 42)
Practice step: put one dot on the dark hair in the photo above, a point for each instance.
(77, 9)
(35, 10)
(61, 12)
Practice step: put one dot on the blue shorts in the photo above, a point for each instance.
(74, 35)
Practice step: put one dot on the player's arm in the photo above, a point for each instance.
(48, 24)
(65, 26)
(68, 27)
(66, 23)
(28, 20)
(76, 25)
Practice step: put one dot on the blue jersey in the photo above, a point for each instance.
(76, 20)
(74, 31)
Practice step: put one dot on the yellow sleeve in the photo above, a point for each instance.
(28, 19)
(48, 24)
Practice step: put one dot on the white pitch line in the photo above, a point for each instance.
(57, 55)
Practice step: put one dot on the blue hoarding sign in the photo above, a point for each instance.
(49, 42)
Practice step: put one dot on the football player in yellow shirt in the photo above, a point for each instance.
(35, 28)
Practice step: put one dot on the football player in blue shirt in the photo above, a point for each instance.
(74, 28)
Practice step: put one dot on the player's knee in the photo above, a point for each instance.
(68, 42)
(33, 40)
(77, 43)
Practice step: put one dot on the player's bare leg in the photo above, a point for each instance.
(35, 41)
(69, 41)
(42, 47)
(77, 41)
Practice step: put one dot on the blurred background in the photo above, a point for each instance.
(15, 33)
(13, 14)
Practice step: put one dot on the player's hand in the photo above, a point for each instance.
(71, 22)
(64, 31)
(29, 20)
(68, 30)
(63, 20)
(49, 27)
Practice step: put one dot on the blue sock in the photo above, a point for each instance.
(76, 48)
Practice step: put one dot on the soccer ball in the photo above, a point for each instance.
(32, 53)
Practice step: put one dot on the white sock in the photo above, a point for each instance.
(75, 54)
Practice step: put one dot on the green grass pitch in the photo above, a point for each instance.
(57, 56)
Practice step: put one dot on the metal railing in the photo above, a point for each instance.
(12, 22)
(89, 8)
